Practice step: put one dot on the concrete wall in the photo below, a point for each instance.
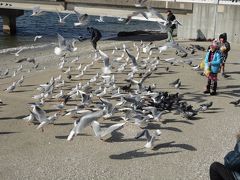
(201, 23)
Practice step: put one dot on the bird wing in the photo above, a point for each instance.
(66, 16)
(77, 14)
(145, 76)
(154, 12)
(58, 14)
(96, 128)
(105, 58)
(111, 129)
(36, 9)
(61, 41)
(132, 58)
(21, 60)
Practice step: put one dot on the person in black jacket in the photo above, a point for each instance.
(231, 168)
(95, 36)
(170, 19)
(225, 48)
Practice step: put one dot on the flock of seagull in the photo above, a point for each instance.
(104, 96)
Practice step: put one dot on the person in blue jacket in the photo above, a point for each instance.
(231, 168)
(212, 64)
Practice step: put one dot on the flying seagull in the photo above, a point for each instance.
(102, 133)
(106, 68)
(82, 19)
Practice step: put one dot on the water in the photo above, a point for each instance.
(47, 25)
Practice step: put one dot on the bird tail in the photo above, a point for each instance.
(106, 70)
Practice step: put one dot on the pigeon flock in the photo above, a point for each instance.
(103, 95)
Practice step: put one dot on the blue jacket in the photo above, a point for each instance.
(215, 63)
(232, 161)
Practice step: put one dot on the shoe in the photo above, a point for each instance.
(206, 91)
(213, 93)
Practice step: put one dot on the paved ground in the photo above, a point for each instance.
(185, 149)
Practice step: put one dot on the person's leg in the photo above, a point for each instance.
(214, 89)
(219, 172)
(171, 35)
(170, 38)
(223, 68)
(208, 87)
(94, 44)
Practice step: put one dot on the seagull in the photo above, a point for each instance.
(141, 3)
(204, 107)
(37, 37)
(14, 74)
(36, 11)
(106, 68)
(20, 81)
(47, 120)
(20, 68)
(82, 19)
(59, 95)
(120, 19)
(39, 104)
(236, 103)
(65, 45)
(134, 61)
(62, 20)
(156, 114)
(150, 139)
(102, 133)
(175, 82)
(6, 72)
(29, 118)
(11, 88)
(83, 122)
(100, 19)
(136, 13)
(38, 113)
(17, 53)
(177, 86)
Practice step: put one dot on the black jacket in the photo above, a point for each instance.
(226, 44)
(95, 33)
(232, 161)
(171, 18)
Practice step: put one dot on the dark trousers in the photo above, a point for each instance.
(94, 42)
(219, 172)
(214, 87)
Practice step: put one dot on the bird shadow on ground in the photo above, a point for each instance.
(115, 118)
(172, 144)
(19, 91)
(29, 85)
(193, 96)
(8, 118)
(195, 118)
(65, 137)
(138, 154)
(166, 73)
(51, 110)
(171, 129)
(3, 133)
(234, 72)
(62, 124)
(229, 94)
(176, 121)
(213, 110)
(229, 87)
